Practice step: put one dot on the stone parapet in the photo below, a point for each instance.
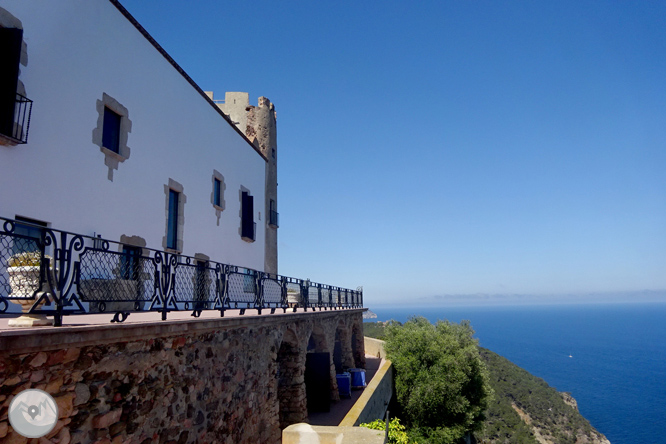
(374, 401)
(307, 434)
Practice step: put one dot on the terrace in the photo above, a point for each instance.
(56, 273)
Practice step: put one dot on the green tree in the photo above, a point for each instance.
(441, 382)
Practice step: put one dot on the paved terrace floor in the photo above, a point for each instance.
(340, 409)
(149, 317)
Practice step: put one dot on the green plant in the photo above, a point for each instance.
(396, 435)
(442, 385)
(30, 259)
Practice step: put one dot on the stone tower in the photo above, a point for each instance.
(259, 124)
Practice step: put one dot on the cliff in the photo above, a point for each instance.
(527, 410)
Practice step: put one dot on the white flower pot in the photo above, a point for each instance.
(24, 281)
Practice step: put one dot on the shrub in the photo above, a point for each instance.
(396, 435)
(442, 385)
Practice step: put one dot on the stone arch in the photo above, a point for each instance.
(358, 345)
(291, 383)
(342, 352)
(319, 343)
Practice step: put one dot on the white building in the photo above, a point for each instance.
(122, 143)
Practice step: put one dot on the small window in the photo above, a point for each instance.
(217, 192)
(273, 214)
(111, 131)
(14, 108)
(248, 226)
(130, 261)
(202, 283)
(172, 223)
(249, 283)
(29, 235)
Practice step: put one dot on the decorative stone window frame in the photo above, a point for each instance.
(218, 208)
(112, 158)
(177, 187)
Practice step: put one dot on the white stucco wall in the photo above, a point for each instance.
(78, 50)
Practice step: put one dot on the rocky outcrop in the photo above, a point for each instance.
(527, 410)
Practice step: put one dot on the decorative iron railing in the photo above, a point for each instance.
(17, 129)
(59, 273)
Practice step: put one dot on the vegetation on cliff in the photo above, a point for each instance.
(523, 410)
(440, 380)
(527, 410)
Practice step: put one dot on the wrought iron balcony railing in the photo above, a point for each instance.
(60, 273)
(17, 129)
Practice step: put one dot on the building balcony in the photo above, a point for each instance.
(14, 130)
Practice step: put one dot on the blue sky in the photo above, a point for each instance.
(454, 147)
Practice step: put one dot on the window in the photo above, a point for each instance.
(249, 283)
(174, 210)
(14, 108)
(202, 284)
(217, 192)
(172, 221)
(30, 232)
(248, 226)
(111, 131)
(130, 261)
(273, 214)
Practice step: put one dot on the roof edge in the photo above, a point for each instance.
(182, 72)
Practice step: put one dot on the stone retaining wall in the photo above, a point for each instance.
(212, 380)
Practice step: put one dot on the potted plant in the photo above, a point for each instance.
(24, 275)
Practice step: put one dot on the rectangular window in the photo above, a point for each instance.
(217, 187)
(202, 283)
(249, 283)
(111, 131)
(247, 216)
(130, 261)
(10, 54)
(172, 224)
(273, 214)
(30, 233)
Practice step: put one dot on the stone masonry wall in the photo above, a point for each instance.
(205, 380)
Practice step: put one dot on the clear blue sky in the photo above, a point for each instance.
(450, 147)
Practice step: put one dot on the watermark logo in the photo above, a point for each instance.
(33, 413)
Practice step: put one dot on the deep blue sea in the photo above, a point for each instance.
(617, 368)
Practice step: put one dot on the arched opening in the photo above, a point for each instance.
(337, 352)
(291, 387)
(358, 346)
(342, 351)
(318, 373)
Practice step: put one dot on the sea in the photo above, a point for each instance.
(610, 357)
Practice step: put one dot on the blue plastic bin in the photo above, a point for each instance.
(357, 378)
(344, 384)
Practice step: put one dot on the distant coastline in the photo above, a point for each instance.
(509, 299)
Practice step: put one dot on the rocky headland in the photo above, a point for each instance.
(527, 410)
